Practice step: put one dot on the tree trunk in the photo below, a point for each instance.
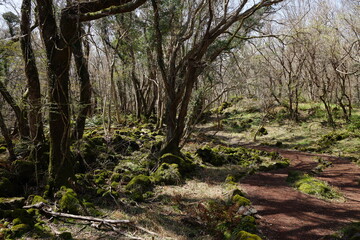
(19, 113)
(5, 133)
(34, 95)
(58, 55)
(85, 88)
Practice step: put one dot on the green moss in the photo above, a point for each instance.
(116, 177)
(185, 165)
(240, 200)
(16, 221)
(247, 224)
(208, 155)
(310, 185)
(243, 235)
(2, 149)
(68, 201)
(138, 186)
(38, 199)
(19, 229)
(167, 174)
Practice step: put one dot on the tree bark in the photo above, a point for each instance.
(5, 133)
(31, 71)
(85, 88)
(19, 113)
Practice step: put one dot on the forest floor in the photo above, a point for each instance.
(289, 214)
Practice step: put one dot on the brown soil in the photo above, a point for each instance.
(290, 214)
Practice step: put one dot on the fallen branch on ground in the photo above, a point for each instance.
(108, 222)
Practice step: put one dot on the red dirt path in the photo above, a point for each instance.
(289, 214)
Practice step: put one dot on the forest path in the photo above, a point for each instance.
(288, 214)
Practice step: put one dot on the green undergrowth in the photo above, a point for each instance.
(254, 160)
(230, 219)
(312, 186)
(350, 232)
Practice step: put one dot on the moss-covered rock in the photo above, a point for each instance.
(124, 145)
(185, 165)
(21, 215)
(138, 186)
(37, 199)
(69, 201)
(208, 155)
(310, 185)
(2, 149)
(19, 229)
(240, 200)
(167, 174)
(11, 203)
(243, 235)
(247, 224)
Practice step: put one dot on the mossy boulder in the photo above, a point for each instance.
(37, 199)
(310, 185)
(167, 174)
(208, 155)
(2, 149)
(185, 165)
(124, 145)
(247, 224)
(138, 186)
(21, 216)
(19, 229)
(243, 235)
(240, 200)
(69, 201)
(11, 203)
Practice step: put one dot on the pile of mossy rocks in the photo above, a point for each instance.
(135, 176)
(18, 222)
(234, 218)
(94, 149)
(170, 170)
(245, 157)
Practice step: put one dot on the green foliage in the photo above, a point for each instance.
(262, 131)
(330, 139)
(310, 185)
(222, 107)
(354, 124)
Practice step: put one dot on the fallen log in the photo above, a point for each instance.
(108, 222)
